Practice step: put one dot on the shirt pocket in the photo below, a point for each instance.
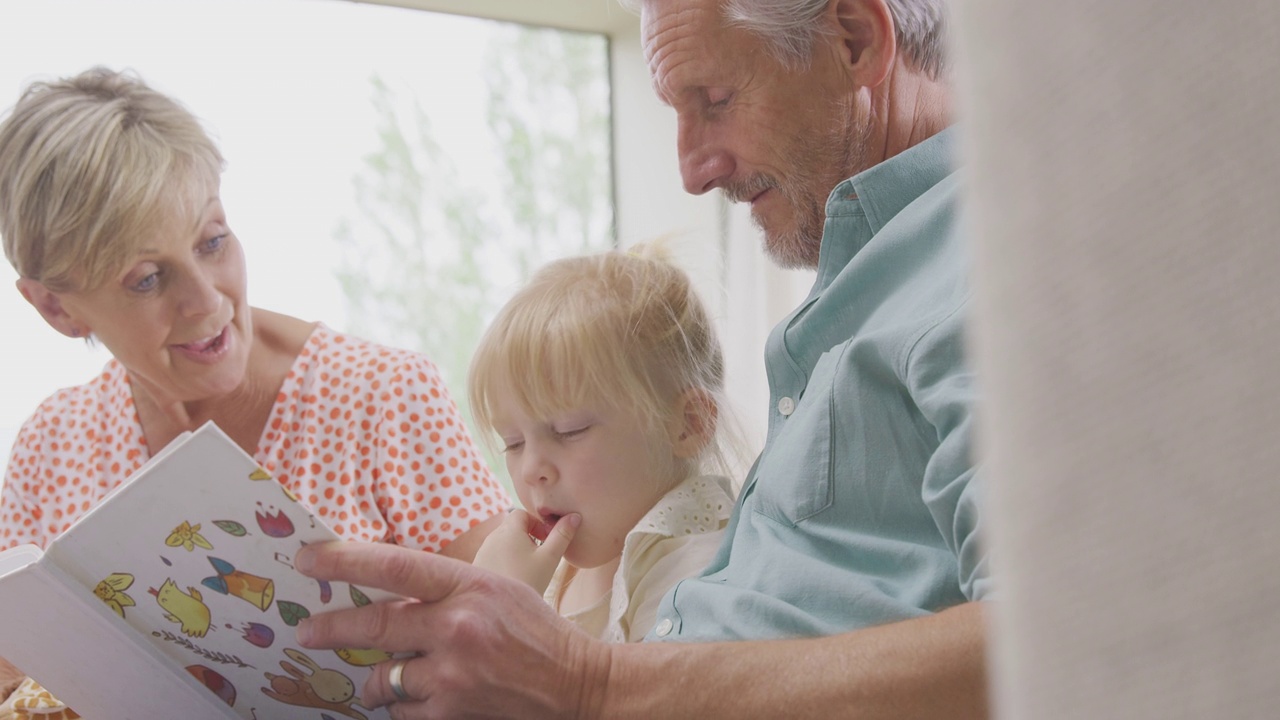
(794, 480)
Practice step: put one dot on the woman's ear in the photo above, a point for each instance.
(50, 307)
(694, 423)
(866, 39)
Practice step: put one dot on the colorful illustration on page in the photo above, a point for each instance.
(207, 549)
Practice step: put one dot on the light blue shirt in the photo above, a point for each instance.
(863, 507)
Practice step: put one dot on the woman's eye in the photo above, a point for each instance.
(213, 244)
(147, 283)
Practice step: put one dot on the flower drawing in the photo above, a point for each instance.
(112, 592)
(187, 536)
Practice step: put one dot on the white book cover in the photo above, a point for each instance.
(176, 597)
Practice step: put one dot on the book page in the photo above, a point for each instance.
(195, 555)
(18, 557)
(75, 645)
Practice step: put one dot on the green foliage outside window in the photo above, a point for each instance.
(431, 258)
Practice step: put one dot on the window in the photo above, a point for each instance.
(328, 112)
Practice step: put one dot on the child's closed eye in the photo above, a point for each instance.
(573, 433)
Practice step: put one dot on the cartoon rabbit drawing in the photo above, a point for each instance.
(316, 687)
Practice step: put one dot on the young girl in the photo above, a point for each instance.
(602, 378)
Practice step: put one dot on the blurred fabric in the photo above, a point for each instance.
(1124, 167)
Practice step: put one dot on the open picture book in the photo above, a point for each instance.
(176, 597)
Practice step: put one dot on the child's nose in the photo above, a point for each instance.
(539, 470)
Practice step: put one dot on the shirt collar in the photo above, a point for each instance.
(698, 505)
(881, 191)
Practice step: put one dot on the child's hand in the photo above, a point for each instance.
(513, 551)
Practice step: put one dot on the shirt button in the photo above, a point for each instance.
(786, 406)
(664, 627)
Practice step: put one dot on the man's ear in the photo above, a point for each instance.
(865, 37)
(49, 305)
(694, 422)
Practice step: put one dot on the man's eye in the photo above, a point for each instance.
(718, 99)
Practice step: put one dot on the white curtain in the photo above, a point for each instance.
(1124, 160)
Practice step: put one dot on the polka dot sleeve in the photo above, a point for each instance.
(21, 518)
(369, 437)
(78, 445)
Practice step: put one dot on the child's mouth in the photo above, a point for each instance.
(541, 529)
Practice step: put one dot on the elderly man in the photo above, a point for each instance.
(851, 573)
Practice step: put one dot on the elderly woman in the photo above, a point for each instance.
(110, 212)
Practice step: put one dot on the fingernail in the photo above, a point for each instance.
(303, 561)
(304, 632)
(574, 520)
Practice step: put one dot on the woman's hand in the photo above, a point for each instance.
(513, 549)
(487, 645)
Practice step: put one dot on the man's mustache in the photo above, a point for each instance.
(744, 190)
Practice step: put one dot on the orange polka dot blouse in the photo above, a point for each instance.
(367, 436)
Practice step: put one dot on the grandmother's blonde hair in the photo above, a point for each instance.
(623, 328)
(88, 166)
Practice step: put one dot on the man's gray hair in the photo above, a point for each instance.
(790, 27)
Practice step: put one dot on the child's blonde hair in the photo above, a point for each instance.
(89, 166)
(624, 328)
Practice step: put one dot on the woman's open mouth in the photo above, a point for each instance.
(206, 349)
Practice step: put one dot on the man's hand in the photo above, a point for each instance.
(513, 550)
(488, 645)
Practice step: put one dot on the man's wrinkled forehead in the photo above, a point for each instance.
(672, 33)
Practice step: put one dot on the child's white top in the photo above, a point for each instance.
(675, 540)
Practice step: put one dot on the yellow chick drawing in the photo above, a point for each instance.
(362, 658)
(189, 611)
